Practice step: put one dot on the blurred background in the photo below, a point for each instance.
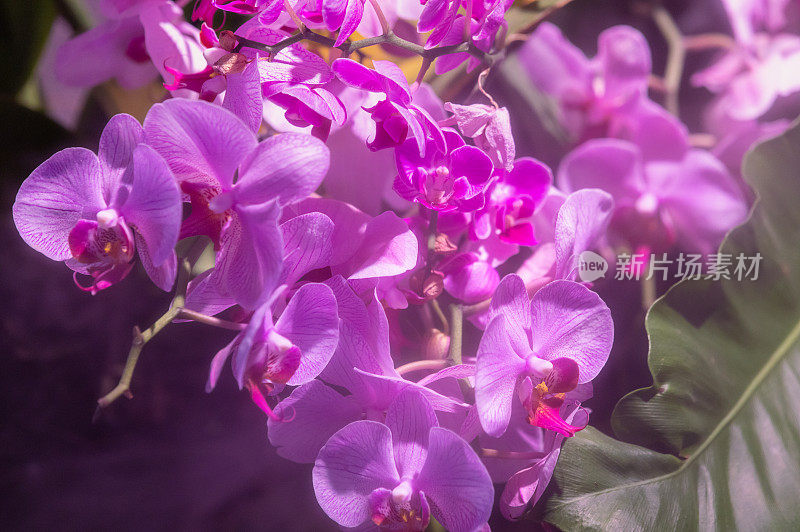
(175, 457)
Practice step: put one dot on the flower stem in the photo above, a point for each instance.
(511, 455)
(437, 309)
(648, 292)
(675, 57)
(140, 338)
(420, 365)
(454, 355)
(468, 21)
(381, 17)
(708, 41)
(456, 331)
(293, 15)
(210, 320)
(433, 223)
(350, 47)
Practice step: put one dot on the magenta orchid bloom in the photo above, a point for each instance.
(763, 64)
(249, 76)
(270, 10)
(605, 96)
(453, 178)
(397, 473)
(489, 127)
(693, 201)
(468, 278)
(296, 79)
(514, 199)
(95, 211)
(137, 36)
(266, 356)
(363, 248)
(539, 350)
(396, 116)
(440, 16)
(527, 478)
(237, 187)
(342, 15)
(323, 239)
(362, 366)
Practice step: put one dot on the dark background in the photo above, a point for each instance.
(175, 457)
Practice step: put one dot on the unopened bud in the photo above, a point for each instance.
(435, 345)
(433, 285)
(230, 64)
(227, 40)
(443, 245)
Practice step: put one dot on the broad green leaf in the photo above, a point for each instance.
(725, 359)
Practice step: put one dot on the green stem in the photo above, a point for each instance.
(437, 309)
(421, 365)
(349, 47)
(210, 320)
(676, 55)
(140, 338)
(432, 230)
(381, 17)
(649, 293)
(456, 331)
(454, 355)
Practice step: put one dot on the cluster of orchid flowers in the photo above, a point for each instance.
(346, 206)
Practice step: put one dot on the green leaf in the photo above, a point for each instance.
(725, 359)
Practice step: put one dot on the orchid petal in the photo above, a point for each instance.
(243, 96)
(512, 301)
(317, 411)
(410, 417)
(62, 190)
(306, 245)
(581, 222)
(353, 463)
(609, 164)
(497, 370)
(363, 340)
(571, 321)
(201, 142)
(154, 205)
(249, 263)
(381, 390)
(204, 295)
(286, 167)
(162, 275)
(119, 138)
(456, 481)
(311, 323)
(389, 248)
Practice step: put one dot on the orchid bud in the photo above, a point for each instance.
(435, 345)
(444, 246)
(433, 285)
(227, 40)
(230, 64)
